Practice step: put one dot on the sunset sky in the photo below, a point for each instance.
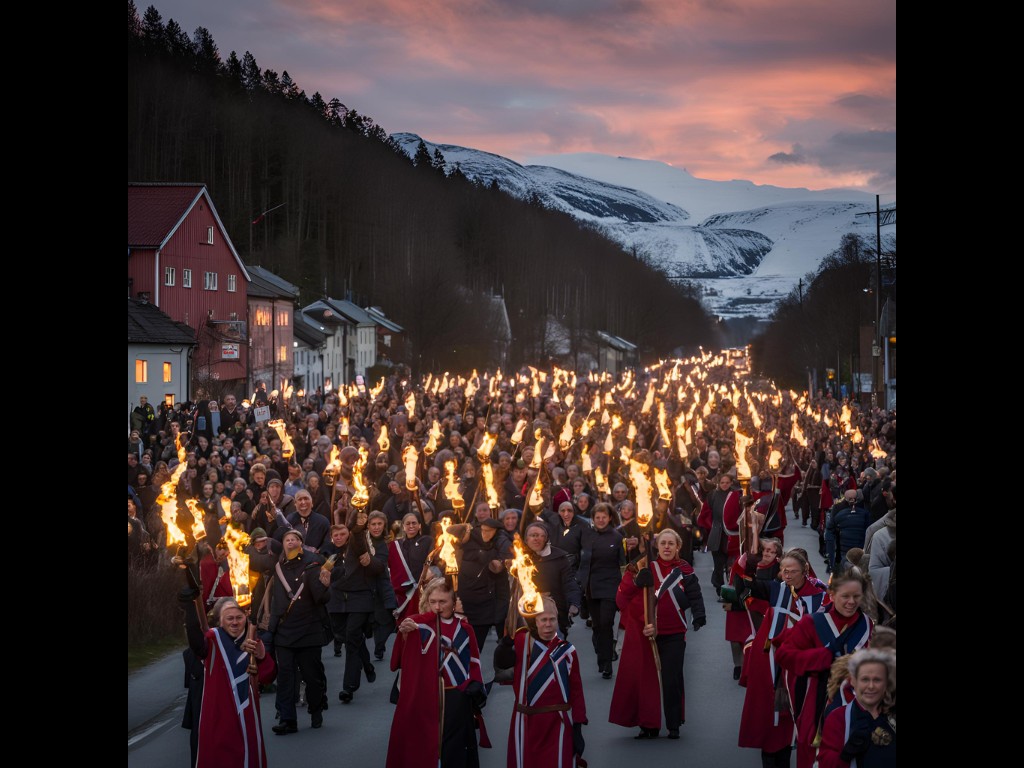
(797, 93)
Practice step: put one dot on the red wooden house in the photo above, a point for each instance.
(181, 259)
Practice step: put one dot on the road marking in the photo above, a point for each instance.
(140, 736)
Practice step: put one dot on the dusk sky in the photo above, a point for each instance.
(797, 93)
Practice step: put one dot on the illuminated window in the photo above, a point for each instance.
(282, 319)
(168, 275)
(186, 278)
(141, 371)
(209, 235)
(262, 316)
(168, 378)
(282, 354)
(169, 399)
(231, 283)
(210, 281)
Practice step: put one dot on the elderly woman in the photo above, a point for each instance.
(864, 731)
(656, 641)
(744, 616)
(406, 557)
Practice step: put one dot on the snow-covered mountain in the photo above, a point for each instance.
(746, 244)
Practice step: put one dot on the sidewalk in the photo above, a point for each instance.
(155, 688)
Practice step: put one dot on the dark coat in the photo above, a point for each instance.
(554, 576)
(302, 624)
(477, 584)
(846, 527)
(353, 586)
(316, 531)
(601, 562)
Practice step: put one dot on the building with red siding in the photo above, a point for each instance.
(271, 324)
(181, 259)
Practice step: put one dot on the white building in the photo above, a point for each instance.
(158, 356)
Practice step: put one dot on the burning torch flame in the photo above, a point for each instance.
(383, 443)
(566, 437)
(287, 449)
(451, 488)
(432, 438)
(662, 428)
(343, 426)
(661, 481)
(486, 446)
(642, 486)
(410, 403)
(601, 480)
(168, 499)
(488, 476)
(238, 563)
(524, 570)
(361, 497)
(517, 436)
(375, 391)
(648, 400)
(446, 541)
(742, 444)
(410, 457)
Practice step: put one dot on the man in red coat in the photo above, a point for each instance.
(550, 711)
(441, 689)
(214, 573)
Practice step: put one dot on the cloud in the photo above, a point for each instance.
(726, 89)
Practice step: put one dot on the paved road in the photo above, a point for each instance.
(359, 731)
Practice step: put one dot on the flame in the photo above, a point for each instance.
(770, 437)
(586, 426)
(488, 477)
(535, 391)
(486, 446)
(432, 438)
(168, 498)
(198, 531)
(624, 453)
(648, 399)
(774, 458)
(798, 434)
(410, 457)
(857, 436)
(570, 399)
(631, 432)
(451, 488)
(566, 437)
(429, 381)
(446, 541)
(585, 462)
(383, 443)
(375, 391)
(876, 451)
(742, 444)
(536, 497)
(361, 497)
(525, 571)
(343, 426)
(601, 480)
(410, 403)
(517, 436)
(538, 449)
(472, 385)
(642, 486)
(238, 563)
(844, 417)
(605, 417)
(279, 426)
(662, 428)
(662, 483)
(754, 414)
(707, 408)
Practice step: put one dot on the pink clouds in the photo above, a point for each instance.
(717, 87)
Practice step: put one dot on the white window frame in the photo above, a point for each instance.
(209, 235)
(169, 276)
(232, 283)
(209, 281)
(186, 278)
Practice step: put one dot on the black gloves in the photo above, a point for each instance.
(698, 623)
(577, 738)
(856, 746)
(477, 694)
(643, 578)
(505, 653)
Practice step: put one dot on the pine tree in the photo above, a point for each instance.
(153, 32)
(271, 82)
(233, 69)
(422, 157)
(251, 77)
(335, 112)
(288, 86)
(134, 23)
(316, 101)
(206, 53)
(438, 163)
(178, 44)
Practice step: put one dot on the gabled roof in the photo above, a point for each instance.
(265, 284)
(341, 310)
(308, 331)
(155, 211)
(323, 313)
(377, 315)
(616, 342)
(148, 325)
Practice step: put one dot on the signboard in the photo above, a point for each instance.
(262, 412)
(865, 383)
(229, 352)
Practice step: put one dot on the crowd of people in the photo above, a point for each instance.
(606, 488)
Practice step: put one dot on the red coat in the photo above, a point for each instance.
(730, 521)
(546, 675)
(739, 622)
(803, 653)
(785, 485)
(221, 587)
(415, 737)
(230, 731)
(850, 719)
(404, 582)
(760, 726)
(636, 699)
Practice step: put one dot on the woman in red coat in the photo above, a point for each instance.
(406, 557)
(808, 650)
(673, 586)
(863, 732)
(743, 617)
(441, 687)
(550, 711)
(763, 726)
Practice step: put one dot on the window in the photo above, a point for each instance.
(262, 316)
(168, 378)
(282, 319)
(169, 399)
(210, 281)
(186, 278)
(209, 235)
(168, 275)
(141, 371)
(231, 283)
(282, 354)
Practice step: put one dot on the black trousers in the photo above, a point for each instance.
(481, 631)
(672, 650)
(602, 616)
(357, 657)
(719, 560)
(383, 626)
(294, 664)
(458, 742)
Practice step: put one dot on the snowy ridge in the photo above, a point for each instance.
(752, 243)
